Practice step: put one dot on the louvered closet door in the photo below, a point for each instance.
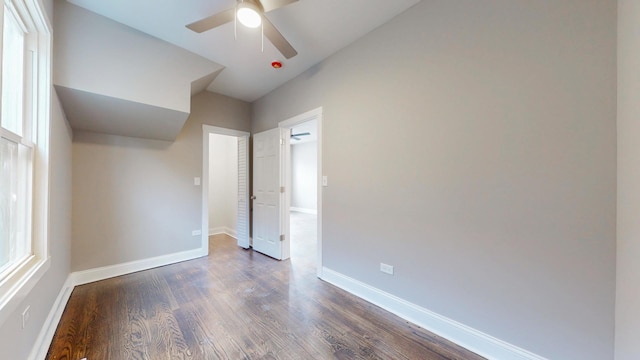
(242, 231)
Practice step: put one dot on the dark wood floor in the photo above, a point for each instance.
(235, 304)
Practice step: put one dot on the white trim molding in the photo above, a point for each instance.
(41, 346)
(463, 335)
(216, 230)
(106, 272)
(50, 325)
(223, 230)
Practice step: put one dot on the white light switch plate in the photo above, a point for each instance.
(325, 181)
(196, 181)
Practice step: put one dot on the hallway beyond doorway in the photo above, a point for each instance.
(304, 238)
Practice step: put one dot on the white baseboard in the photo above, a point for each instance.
(231, 232)
(50, 325)
(74, 279)
(303, 210)
(465, 336)
(216, 230)
(223, 230)
(106, 272)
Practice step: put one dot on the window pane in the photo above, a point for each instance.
(8, 199)
(15, 185)
(13, 39)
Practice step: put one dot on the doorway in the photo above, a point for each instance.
(302, 174)
(225, 186)
(303, 210)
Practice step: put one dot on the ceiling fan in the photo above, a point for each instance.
(250, 13)
(296, 136)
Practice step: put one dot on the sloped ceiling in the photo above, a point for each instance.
(315, 28)
(105, 114)
(130, 67)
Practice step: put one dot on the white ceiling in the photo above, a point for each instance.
(315, 28)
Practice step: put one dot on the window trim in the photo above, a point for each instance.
(19, 283)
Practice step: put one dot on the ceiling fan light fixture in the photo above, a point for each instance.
(248, 15)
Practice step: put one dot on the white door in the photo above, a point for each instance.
(242, 230)
(266, 193)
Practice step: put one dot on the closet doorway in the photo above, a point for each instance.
(225, 195)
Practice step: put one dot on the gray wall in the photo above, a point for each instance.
(304, 178)
(487, 175)
(134, 198)
(628, 286)
(15, 342)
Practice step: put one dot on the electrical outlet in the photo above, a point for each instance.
(26, 314)
(196, 232)
(386, 268)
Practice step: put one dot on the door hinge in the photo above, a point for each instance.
(282, 237)
(282, 189)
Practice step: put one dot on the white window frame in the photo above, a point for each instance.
(18, 284)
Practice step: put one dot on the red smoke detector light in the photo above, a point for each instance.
(276, 64)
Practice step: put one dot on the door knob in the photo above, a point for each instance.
(253, 197)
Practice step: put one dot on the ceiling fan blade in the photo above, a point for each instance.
(269, 5)
(301, 134)
(277, 39)
(213, 21)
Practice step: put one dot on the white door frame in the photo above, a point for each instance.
(206, 131)
(315, 114)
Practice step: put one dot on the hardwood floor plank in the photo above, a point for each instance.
(235, 304)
